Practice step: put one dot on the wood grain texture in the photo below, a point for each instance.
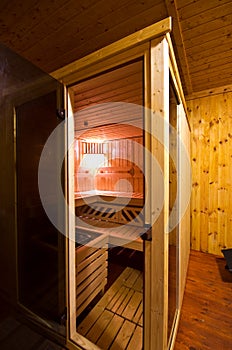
(114, 322)
(56, 34)
(206, 315)
(211, 142)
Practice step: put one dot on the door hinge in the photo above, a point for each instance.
(147, 234)
(60, 112)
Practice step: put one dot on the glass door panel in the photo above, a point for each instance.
(41, 259)
(109, 200)
(173, 214)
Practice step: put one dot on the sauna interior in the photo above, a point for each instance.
(109, 200)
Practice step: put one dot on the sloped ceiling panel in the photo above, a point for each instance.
(55, 33)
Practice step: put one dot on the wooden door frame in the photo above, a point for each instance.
(154, 45)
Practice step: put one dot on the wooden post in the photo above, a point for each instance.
(160, 141)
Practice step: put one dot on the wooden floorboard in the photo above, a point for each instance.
(116, 321)
(206, 315)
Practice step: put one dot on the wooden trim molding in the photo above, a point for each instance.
(155, 30)
(206, 93)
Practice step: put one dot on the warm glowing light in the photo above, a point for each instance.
(94, 140)
(93, 161)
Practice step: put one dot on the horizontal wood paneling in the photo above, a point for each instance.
(189, 9)
(56, 33)
(51, 35)
(211, 141)
(118, 25)
(122, 172)
(206, 32)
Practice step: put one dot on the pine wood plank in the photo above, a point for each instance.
(86, 88)
(90, 259)
(213, 71)
(90, 297)
(110, 332)
(217, 12)
(136, 342)
(123, 294)
(198, 7)
(87, 323)
(155, 30)
(94, 275)
(104, 323)
(132, 278)
(130, 310)
(123, 336)
(98, 328)
(91, 286)
(117, 298)
(206, 323)
(138, 285)
(86, 272)
(207, 36)
(223, 57)
(139, 315)
(159, 243)
(117, 30)
(125, 301)
(215, 23)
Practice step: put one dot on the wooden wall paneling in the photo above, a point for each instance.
(211, 155)
(213, 171)
(98, 90)
(228, 235)
(195, 201)
(223, 169)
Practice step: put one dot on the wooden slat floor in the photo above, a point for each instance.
(206, 315)
(115, 323)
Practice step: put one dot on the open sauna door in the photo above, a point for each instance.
(107, 191)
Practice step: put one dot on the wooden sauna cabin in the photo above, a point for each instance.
(116, 256)
(128, 186)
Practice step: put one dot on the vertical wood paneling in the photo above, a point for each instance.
(211, 141)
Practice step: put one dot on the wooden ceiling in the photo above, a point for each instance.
(110, 105)
(52, 34)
